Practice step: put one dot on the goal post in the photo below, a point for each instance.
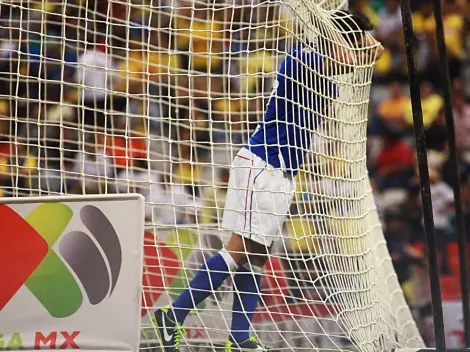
(157, 98)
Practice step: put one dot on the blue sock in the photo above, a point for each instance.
(211, 275)
(247, 285)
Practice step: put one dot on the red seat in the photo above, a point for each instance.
(450, 287)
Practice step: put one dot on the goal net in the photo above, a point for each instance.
(157, 97)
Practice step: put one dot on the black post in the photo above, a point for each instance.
(454, 163)
(423, 176)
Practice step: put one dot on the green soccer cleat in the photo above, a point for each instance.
(249, 345)
(169, 331)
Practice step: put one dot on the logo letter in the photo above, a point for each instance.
(50, 340)
(69, 340)
(15, 342)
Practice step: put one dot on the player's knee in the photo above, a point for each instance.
(254, 267)
(258, 259)
(238, 257)
(258, 249)
(239, 248)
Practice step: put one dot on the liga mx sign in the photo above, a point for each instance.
(70, 272)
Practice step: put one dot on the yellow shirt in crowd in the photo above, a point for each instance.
(187, 173)
(3, 172)
(141, 67)
(203, 38)
(432, 106)
(48, 6)
(453, 28)
(394, 110)
(214, 202)
(255, 62)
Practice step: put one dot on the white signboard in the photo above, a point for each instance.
(70, 271)
(453, 323)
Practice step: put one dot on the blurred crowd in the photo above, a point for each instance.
(392, 152)
(93, 91)
(94, 94)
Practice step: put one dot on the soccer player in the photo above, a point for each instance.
(261, 185)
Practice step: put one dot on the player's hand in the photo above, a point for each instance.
(374, 48)
(365, 52)
(370, 50)
(380, 51)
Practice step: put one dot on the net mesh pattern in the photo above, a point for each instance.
(157, 97)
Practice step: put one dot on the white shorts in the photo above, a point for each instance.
(258, 199)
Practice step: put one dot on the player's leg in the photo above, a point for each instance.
(208, 279)
(217, 268)
(247, 293)
(271, 196)
(236, 218)
(210, 276)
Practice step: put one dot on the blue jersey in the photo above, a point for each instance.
(300, 96)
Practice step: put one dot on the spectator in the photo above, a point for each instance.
(442, 197)
(389, 21)
(258, 50)
(432, 104)
(167, 204)
(436, 137)
(146, 65)
(226, 110)
(423, 20)
(453, 29)
(256, 61)
(425, 28)
(403, 254)
(423, 23)
(94, 73)
(395, 161)
(57, 144)
(4, 174)
(364, 8)
(9, 59)
(5, 139)
(92, 167)
(214, 197)
(461, 112)
(392, 110)
(124, 151)
(187, 170)
(20, 170)
(5, 123)
(465, 189)
(388, 30)
(201, 36)
(4, 149)
(414, 211)
(60, 66)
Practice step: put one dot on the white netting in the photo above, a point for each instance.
(157, 97)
